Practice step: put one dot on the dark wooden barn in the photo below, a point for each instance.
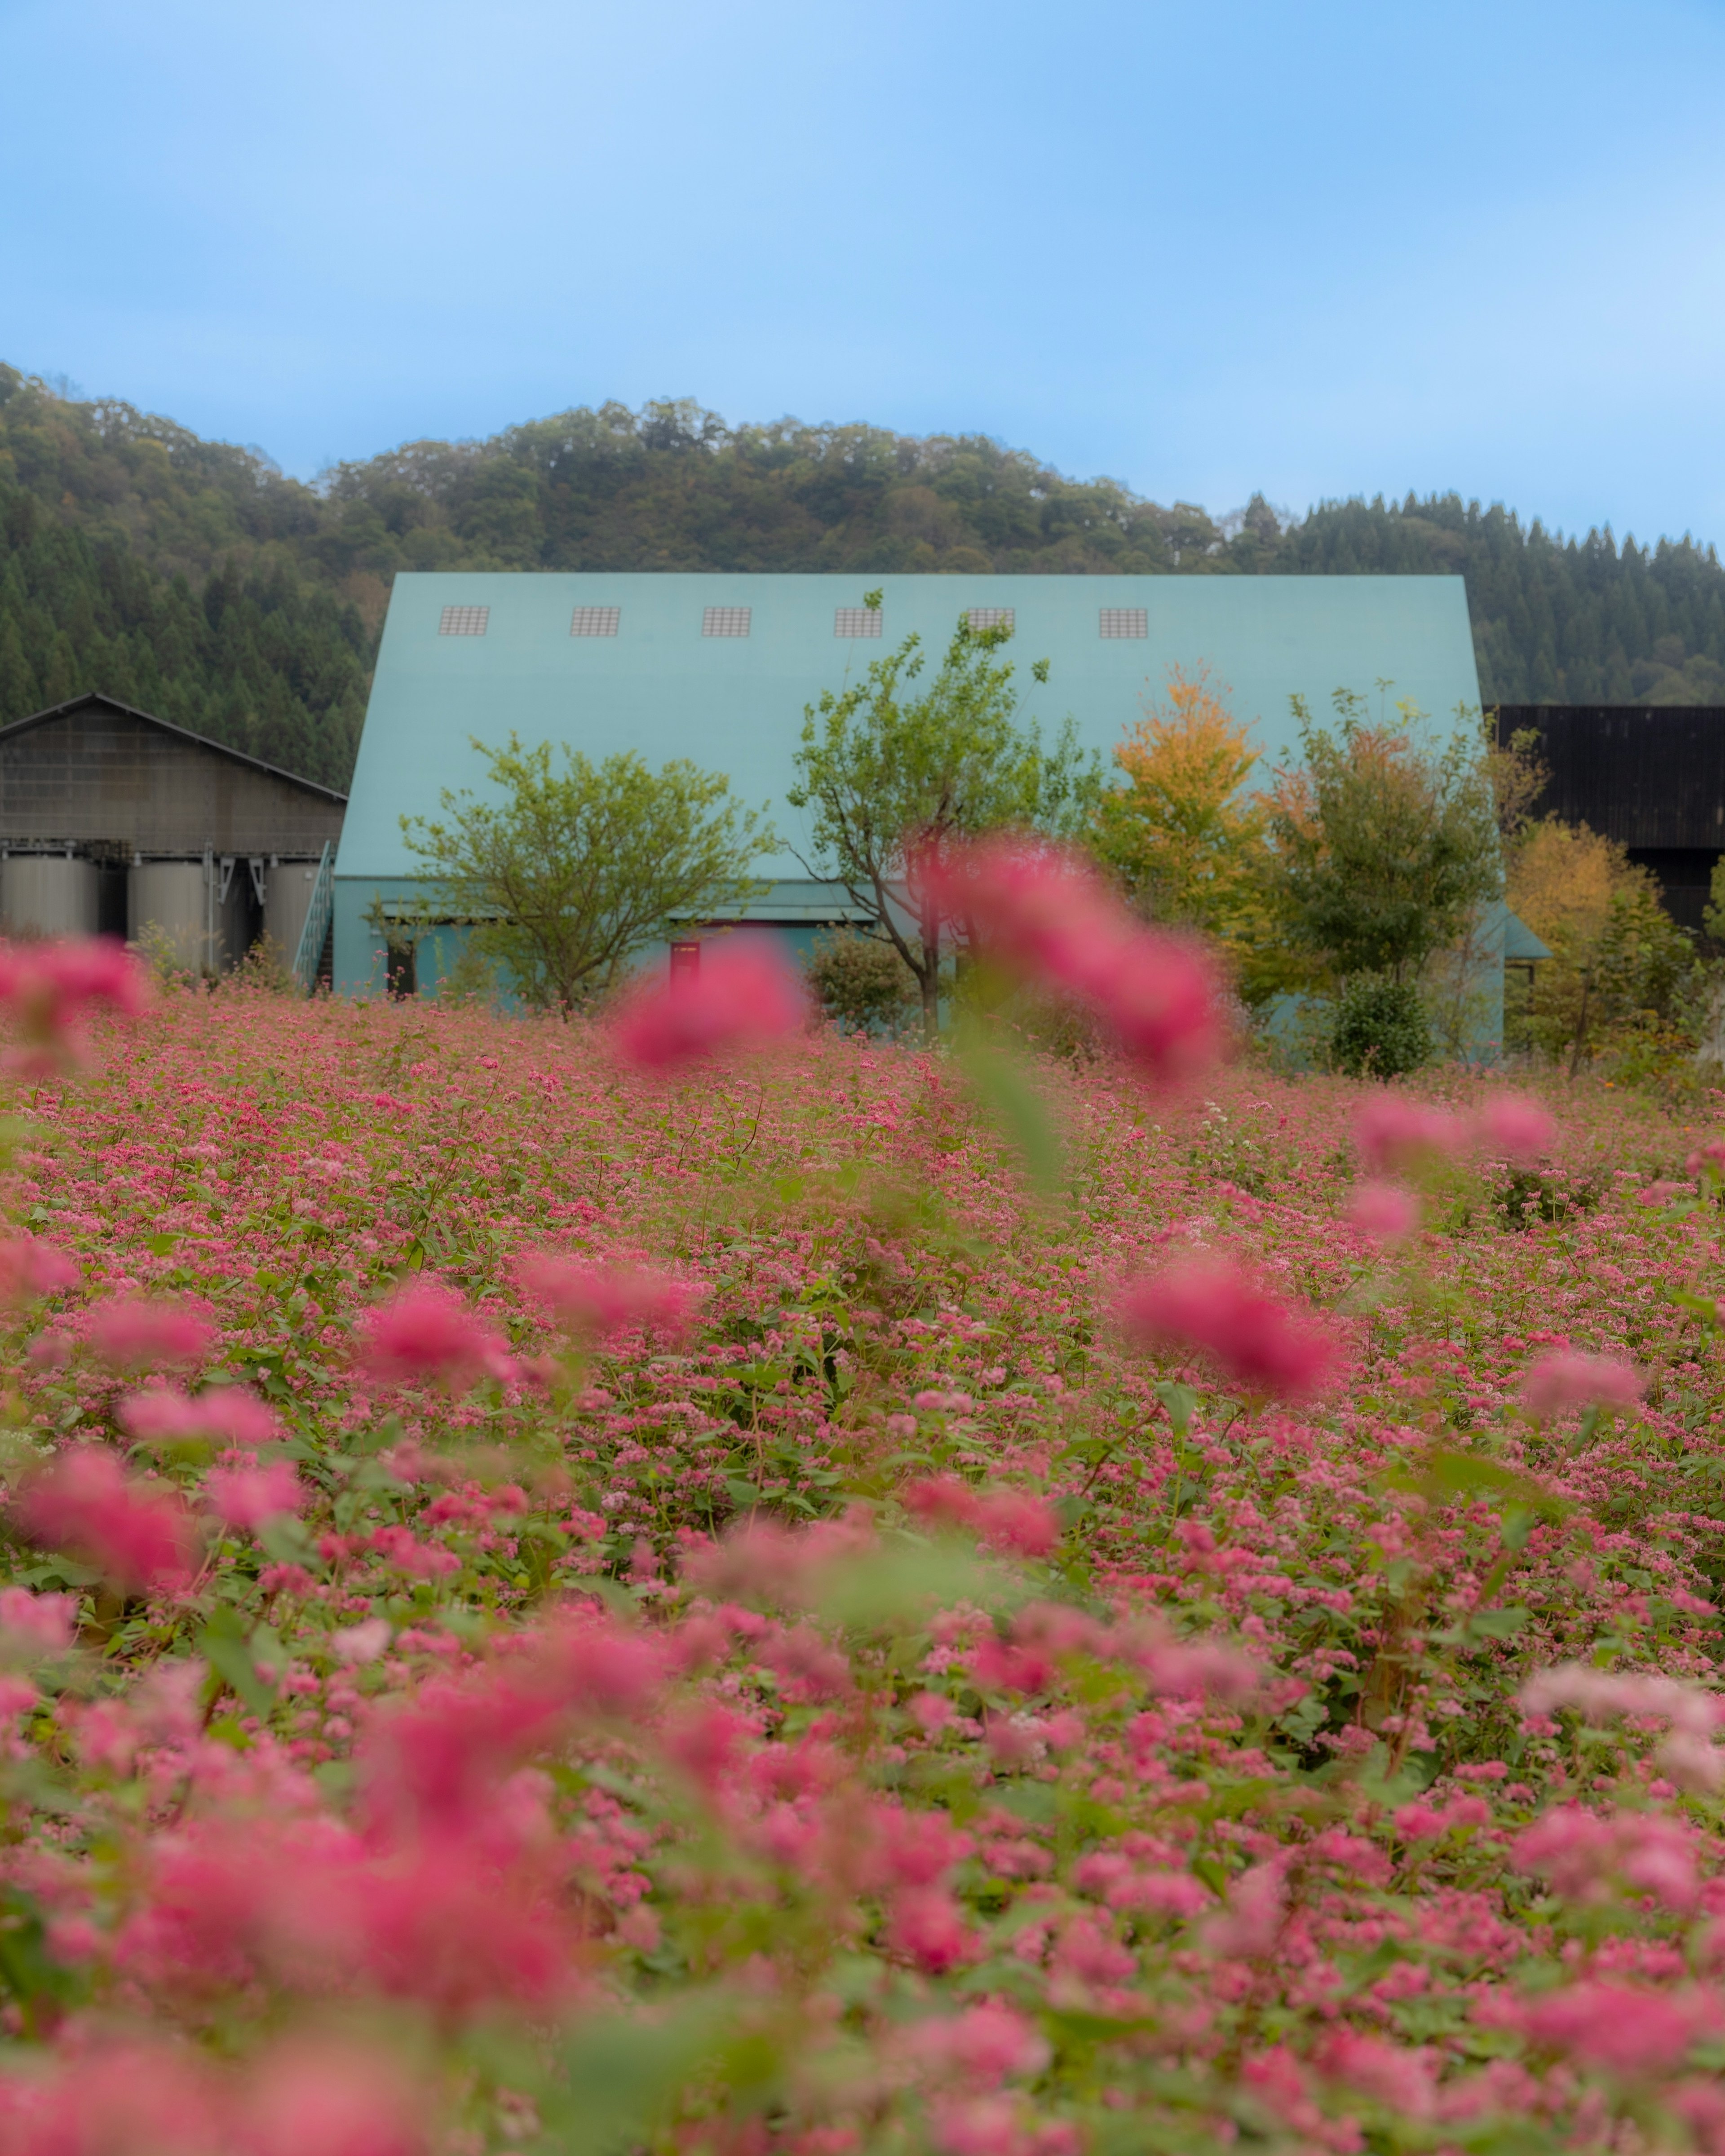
(112, 820)
(1653, 777)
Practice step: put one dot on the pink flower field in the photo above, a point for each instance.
(570, 1594)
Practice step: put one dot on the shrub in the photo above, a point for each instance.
(860, 981)
(1380, 1027)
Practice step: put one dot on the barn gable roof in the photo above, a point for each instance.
(717, 667)
(15, 727)
(99, 776)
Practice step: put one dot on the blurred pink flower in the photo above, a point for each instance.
(1613, 2029)
(247, 1497)
(337, 2100)
(1251, 1925)
(1512, 1127)
(136, 1534)
(1014, 1520)
(29, 1267)
(1394, 1133)
(35, 1625)
(1047, 916)
(226, 1412)
(981, 2045)
(744, 996)
(928, 1927)
(1403, 2081)
(364, 1642)
(52, 987)
(1709, 1158)
(1598, 1695)
(1264, 1346)
(1384, 1211)
(131, 1333)
(425, 1331)
(592, 1300)
(1566, 1379)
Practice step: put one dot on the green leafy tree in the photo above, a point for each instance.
(1385, 848)
(570, 871)
(892, 769)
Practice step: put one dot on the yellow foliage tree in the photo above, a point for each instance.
(1616, 956)
(1188, 845)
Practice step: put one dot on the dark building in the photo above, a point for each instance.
(1653, 777)
(112, 821)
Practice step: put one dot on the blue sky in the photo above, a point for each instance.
(1313, 249)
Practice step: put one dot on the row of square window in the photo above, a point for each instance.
(734, 621)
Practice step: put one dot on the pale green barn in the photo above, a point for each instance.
(718, 669)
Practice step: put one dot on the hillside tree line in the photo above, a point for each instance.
(197, 580)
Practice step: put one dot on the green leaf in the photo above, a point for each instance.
(905, 1580)
(1012, 1103)
(623, 2076)
(1441, 1477)
(1498, 1624)
(1181, 1403)
(224, 1645)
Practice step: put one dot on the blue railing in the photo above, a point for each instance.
(318, 915)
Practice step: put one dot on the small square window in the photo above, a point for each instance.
(1125, 621)
(991, 618)
(595, 621)
(725, 621)
(463, 621)
(856, 621)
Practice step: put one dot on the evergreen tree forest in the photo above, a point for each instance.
(195, 580)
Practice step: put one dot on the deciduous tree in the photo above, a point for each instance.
(1385, 846)
(891, 771)
(566, 873)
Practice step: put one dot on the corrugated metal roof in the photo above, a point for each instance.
(14, 728)
(734, 703)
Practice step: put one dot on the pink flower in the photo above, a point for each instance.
(337, 2100)
(1265, 1346)
(84, 1501)
(1615, 2030)
(1046, 916)
(1383, 1213)
(131, 1333)
(1395, 1134)
(928, 1928)
(228, 1412)
(29, 1267)
(744, 996)
(51, 989)
(1251, 1923)
(1512, 1127)
(248, 1497)
(981, 2045)
(1598, 1695)
(1400, 2080)
(593, 1301)
(34, 1626)
(1007, 1519)
(425, 1333)
(1566, 1379)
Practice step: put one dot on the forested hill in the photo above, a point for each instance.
(192, 578)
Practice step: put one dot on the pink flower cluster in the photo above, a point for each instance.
(1213, 1307)
(52, 988)
(1049, 919)
(593, 1301)
(743, 996)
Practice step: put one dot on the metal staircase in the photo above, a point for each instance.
(319, 916)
